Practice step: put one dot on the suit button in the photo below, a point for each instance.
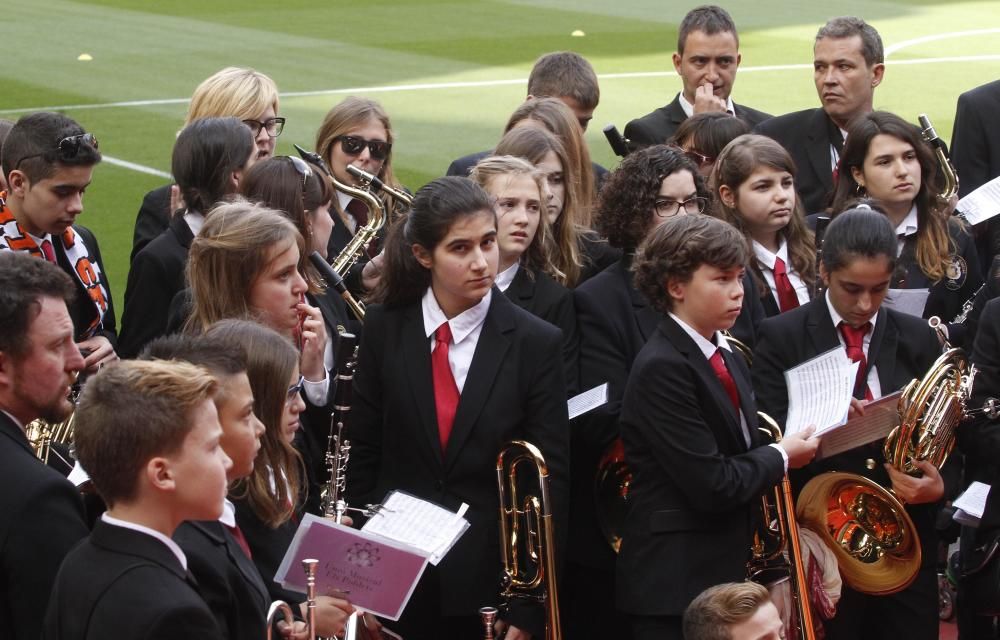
(869, 464)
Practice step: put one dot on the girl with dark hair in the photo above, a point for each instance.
(885, 158)
(754, 186)
(454, 373)
(892, 348)
(210, 157)
(524, 242)
(703, 136)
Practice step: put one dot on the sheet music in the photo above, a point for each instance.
(982, 204)
(908, 301)
(419, 523)
(972, 503)
(584, 402)
(880, 417)
(819, 391)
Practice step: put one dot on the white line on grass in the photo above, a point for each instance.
(137, 167)
(891, 49)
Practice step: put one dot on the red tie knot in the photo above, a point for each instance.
(779, 267)
(854, 337)
(443, 334)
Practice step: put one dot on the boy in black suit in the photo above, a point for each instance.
(42, 513)
(859, 254)
(148, 434)
(217, 552)
(689, 425)
(49, 160)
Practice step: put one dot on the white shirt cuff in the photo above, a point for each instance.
(317, 392)
(784, 456)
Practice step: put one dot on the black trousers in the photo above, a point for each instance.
(911, 614)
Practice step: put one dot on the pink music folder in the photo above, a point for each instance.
(377, 574)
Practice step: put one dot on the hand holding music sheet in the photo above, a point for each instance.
(881, 416)
(819, 392)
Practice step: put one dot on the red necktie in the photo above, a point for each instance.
(445, 390)
(721, 372)
(854, 339)
(48, 251)
(240, 539)
(787, 299)
(359, 211)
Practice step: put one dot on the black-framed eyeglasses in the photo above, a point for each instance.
(295, 389)
(67, 149)
(302, 168)
(699, 159)
(273, 126)
(353, 145)
(666, 208)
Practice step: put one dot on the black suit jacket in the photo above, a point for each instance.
(462, 166)
(975, 138)
(806, 136)
(695, 483)
(902, 348)
(156, 276)
(659, 126)
(227, 579)
(42, 520)
(153, 218)
(124, 584)
(82, 310)
(539, 294)
(514, 390)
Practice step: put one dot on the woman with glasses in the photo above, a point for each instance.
(703, 136)
(650, 186)
(357, 132)
(249, 96)
(754, 183)
(209, 159)
(269, 500)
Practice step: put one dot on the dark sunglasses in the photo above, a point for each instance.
(273, 126)
(353, 145)
(67, 149)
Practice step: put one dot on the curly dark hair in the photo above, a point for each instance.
(24, 280)
(629, 193)
(675, 250)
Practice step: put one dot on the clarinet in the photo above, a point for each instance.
(338, 447)
(821, 224)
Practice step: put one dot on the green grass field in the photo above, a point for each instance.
(449, 73)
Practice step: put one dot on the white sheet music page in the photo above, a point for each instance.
(908, 301)
(819, 391)
(881, 416)
(971, 504)
(419, 523)
(982, 204)
(584, 402)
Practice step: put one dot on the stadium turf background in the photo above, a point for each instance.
(449, 73)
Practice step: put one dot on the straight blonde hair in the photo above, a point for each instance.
(233, 91)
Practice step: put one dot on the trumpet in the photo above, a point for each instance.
(526, 522)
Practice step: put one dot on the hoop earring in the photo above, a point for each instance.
(860, 191)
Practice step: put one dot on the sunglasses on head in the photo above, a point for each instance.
(302, 168)
(273, 126)
(66, 149)
(353, 145)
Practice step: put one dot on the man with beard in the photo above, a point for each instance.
(43, 515)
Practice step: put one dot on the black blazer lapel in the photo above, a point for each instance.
(747, 404)
(646, 317)
(521, 289)
(818, 148)
(10, 429)
(882, 351)
(820, 327)
(417, 365)
(182, 232)
(490, 350)
(675, 112)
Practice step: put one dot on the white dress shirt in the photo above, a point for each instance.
(505, 277)
(195, 221)
(906, 228)
(465, 330)
(766, 261)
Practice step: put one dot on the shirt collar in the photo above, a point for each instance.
(689, 108)
(707, 347)
(344, 199)
(194, 221)
(228, 517)
(837, 318)
(766, 258)
(505, 277)
(461, 325)
(909, 224)
(40, 239)
(124, 524)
